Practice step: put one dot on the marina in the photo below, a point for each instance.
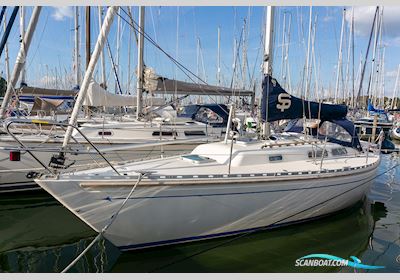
(55, 237)
(121, 167)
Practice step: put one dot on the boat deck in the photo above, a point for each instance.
(195, 166)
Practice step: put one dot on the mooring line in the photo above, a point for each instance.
(100, 235)
(265, 227)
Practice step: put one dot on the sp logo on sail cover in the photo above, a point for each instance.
(284, 102)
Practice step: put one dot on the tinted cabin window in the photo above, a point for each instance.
(275, 158)
(339, 151)
(195, 133)
(105, 133)
(165, 133)
(318, 154)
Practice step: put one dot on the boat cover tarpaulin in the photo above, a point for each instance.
(221, 110)
(282, 105)
(28, 94)
(98, 96)
(157, 84)
(46, 105)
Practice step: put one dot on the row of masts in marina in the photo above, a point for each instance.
(347, 82)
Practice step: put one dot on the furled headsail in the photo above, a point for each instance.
(282, 105)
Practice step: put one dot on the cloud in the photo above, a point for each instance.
(328, 18)
(47, 80)
(364, 15)
(391, 74)
(61, 13)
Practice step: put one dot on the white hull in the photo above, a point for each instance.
(395, 133)
(171, 213)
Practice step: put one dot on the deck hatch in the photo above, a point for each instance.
(196, 159)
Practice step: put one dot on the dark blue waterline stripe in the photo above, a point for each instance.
(215, 235)
(30, 187)
(235, 193)
(19, 183)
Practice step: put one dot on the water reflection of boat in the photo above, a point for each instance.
(36, 221)
(271, 251)
(39, 235)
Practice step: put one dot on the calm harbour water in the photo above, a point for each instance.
(37, 234)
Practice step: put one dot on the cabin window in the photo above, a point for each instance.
(105, 133)
(318, 154)
(165, 133)
(275, 158)
(206, 115)
(335, 131)
(195, 133)
(339, 151)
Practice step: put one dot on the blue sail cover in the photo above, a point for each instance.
(282, 105)
(371, 108)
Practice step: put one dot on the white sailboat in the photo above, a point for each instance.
(229, 187)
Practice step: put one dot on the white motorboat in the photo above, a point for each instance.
(225, 188)
(395, 133)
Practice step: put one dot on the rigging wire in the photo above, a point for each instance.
(180, 66)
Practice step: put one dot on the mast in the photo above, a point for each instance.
(283, 45)
(366, 57)
(101, 39)
(286, 77)
(268, 42)
(313, 60)
(353, 58)
(198, 59)
(383, 77)
(102, 58)
(393, 104)
(77, 57)
(347, 90)
(117, 55)
(372, 75)
(87, 36)
(308, 56)
(339, 64)
(8, 28)
(6, 57)
(244, 54)
(128, 84)
(139, 87)
(21, 59)
(268, 56)
(219, 58)
(22, 33)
